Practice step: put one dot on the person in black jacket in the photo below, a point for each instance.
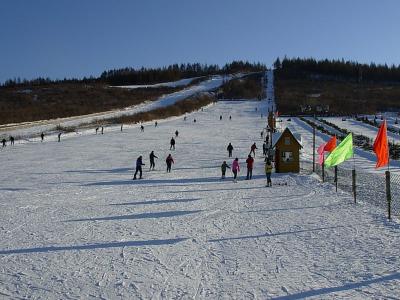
(139, 165)
(12, 140)
(169, 162)
(230, 149)
(172, 143)
(152, 157)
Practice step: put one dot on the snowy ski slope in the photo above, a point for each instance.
(73, 225)
(30, 128)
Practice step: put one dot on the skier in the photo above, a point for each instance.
(156, 124)
(141, 128)
(172, 143)
(139, 165)
(235, 168)
(4, 142)
(230, 118)
(268, 171)
(102, 130)
(230, 149)
(12, 140)
(59, 137)
(270, 153)
(265, 148)
(176, 133)
(262, 134)
(249, 162)
(42, 137)
(169, 162)
(97, 129)
(194, 121)
(220, 118)
(121, 126)
(224, 166)
(253, 149)
(152, 157)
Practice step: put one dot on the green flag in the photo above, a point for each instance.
(342, 152)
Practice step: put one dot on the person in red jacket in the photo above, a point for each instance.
(169, 162)
(249, 162)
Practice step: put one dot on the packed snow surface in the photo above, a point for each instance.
(73, 223)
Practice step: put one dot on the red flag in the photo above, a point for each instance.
(381, 147)
(331, 144)
(320, 152)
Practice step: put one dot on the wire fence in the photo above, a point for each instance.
(377, 189)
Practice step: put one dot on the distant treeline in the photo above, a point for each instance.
(128, 76)
(299, 68)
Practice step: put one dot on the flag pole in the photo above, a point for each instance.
(388, 147)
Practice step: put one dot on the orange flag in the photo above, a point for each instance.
(381, 147)
(331, 144)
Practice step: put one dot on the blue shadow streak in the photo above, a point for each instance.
(346, 287)
(93, 246)
(155, 215)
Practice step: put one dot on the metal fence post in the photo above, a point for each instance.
(313, 155)
(353, 173)
(336, 183)
(388, 195)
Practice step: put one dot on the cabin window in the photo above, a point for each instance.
(287, 140)
(287, 156)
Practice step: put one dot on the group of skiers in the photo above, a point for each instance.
(139, 163)
(249, 163)
(4, 141)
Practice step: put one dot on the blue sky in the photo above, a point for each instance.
(60, 38)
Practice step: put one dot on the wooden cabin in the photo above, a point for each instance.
(287, 152)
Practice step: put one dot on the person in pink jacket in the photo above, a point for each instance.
(235, 168)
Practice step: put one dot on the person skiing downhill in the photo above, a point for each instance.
(4, 142)
(12, 140)
(249, 162)
(224, 166)
(235, 168)
(169, 162)
(141, 128)
(172, 143)
(253, 149)
(42, 137)
(176, 133)
(152, 157)
(230, 149)
(139, 164)
(268, 171)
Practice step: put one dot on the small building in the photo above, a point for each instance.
(287, 151)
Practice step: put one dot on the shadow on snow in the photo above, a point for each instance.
(155, 215)
(157, 202)
(345, 287)
(93, 246)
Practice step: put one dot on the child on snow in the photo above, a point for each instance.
(224, 166)
(235, 168)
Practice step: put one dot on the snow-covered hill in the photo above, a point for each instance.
(74, 225)
(28, 129)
